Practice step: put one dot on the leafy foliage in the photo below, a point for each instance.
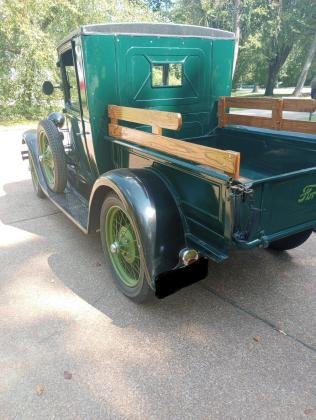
(159, 5)
(273, 34)
(275, 38)
(29, 33)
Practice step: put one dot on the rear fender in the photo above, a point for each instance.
(153, 207)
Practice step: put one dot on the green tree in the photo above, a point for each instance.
(29, 33)
(269, 31)
(307, 65)
(287, 22)
(159, 5)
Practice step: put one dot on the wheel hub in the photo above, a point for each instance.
(114, 248)
(127, 244)
(46, 159)
(123, 246)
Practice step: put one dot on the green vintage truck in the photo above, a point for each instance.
(147, 152)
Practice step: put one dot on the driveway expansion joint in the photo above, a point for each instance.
(254, 315)
(32, 218)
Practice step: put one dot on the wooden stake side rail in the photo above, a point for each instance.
(276, 121)
(156, 119)
(223, 160)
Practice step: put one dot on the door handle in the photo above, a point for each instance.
(82, 133)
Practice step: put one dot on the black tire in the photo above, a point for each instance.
(36, 185)
(291, 242)
(142, 291)
(47, 128)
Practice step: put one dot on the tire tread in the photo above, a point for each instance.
(58, 153)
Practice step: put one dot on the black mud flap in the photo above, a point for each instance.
(170, 282)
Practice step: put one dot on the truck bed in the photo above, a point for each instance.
(280, 168)
(265, 153)
(267, 192)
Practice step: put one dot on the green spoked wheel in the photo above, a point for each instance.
(122, 246)
(123, 250)
(52, 156)
(47, 160)
(36, 185)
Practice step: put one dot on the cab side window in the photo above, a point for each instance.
(69, 78)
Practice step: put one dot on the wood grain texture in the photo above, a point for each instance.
(222, 112)
(277, 113)
(299, 105)
(276, 121)
(299, 126)
(251, 103)
(262, 122)
(152, 117)
(226, 161)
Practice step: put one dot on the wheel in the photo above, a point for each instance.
(52, 156)
(291, 242)
(36, 185)
(123, 250)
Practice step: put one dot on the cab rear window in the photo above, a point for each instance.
(166, 74)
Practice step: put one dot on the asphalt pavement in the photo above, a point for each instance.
(239, 345)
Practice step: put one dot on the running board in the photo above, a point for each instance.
(71, 203)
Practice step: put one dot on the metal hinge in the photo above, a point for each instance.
(241, 191)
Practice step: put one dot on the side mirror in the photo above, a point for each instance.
(47, 88)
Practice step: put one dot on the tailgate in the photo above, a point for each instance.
(289, 201)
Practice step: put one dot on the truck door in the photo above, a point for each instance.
(78, 129)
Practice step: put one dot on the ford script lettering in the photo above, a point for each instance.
(309, 192)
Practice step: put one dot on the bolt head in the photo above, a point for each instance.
(114, 248)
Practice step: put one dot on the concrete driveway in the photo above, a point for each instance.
(240, 344)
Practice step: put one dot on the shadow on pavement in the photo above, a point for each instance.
(190, 353)
(278, 287)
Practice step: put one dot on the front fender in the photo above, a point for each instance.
(30, 139)
(155, 212)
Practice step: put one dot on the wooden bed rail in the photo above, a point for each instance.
(223, 160)
(276, 121)
(157, 119)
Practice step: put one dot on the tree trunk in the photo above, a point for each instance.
(237, 32)
(308, 63)
(272, 78)
(255, 88)
(275, 65)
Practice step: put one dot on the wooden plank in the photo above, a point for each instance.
(155, 129)
(299, 105)
(262, 122)
(226, 161)
(300, 126)
(222, 112)
(277, 114)
(277, 122)
(252, 103)
(160, 119)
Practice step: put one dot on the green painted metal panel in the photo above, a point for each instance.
(291, 201)
(194, 98)
(99, 57)
(118, 71)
